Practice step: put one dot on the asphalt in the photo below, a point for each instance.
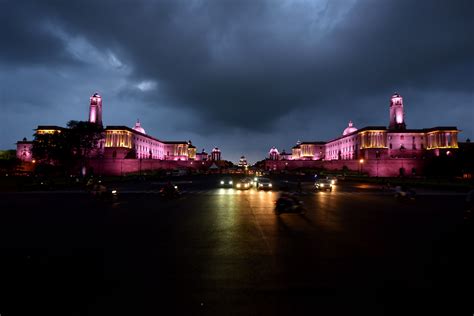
(215, 251)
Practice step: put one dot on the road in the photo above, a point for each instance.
(221, 251)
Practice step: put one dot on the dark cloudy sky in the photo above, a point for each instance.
(240, 75)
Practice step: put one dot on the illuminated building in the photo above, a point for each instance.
(243, 161)
(385, 151)
(125, 143)
(24, 150)
(95, 109)
(274, 154)
(202, 156)
(216, 154)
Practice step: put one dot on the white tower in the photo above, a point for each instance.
(397, 116)
(95, 110)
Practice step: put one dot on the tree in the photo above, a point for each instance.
(8, 161)
(69, 146)
(84, 138)
(51, 148)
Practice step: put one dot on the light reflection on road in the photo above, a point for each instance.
(326, 210)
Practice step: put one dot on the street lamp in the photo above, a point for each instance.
(360, 165)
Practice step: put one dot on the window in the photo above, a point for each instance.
(390, 145)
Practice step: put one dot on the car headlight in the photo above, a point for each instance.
(230, 182)
(238, 185)
(176, 187)
(332, 181)
(322, 184)
(246, 185)
(222, 182)
(114, 192)
(270, 185)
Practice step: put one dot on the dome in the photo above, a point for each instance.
(215, 150)
(274, 151)
(349, 129)
(138, 127)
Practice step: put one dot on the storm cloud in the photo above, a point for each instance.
(241, 75)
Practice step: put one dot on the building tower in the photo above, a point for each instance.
(242, 161)
(216, 154)
(397, 117)
(274, 154)
(95, 110)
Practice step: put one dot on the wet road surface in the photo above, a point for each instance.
(222, 251)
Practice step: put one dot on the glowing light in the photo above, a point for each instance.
(222, 182)
(118, 138)
(361, 161)
(48, 131)
(399, 116)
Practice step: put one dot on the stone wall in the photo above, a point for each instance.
(119, 167)
(374, 168)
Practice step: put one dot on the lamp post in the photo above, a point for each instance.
(361, 162)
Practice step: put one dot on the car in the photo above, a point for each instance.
(243, 184)
(226, 182)
(403, 192)
(170, 190)
(254, 181)
(333, 179)
(100, 191)
(264, 184)
(288, 203)
(323, 184)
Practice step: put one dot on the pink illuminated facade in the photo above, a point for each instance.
(376, 150)
(95, 109)
(133, 143)
(125, 143)
(24, 150)
(216, 154)
(397, 117)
